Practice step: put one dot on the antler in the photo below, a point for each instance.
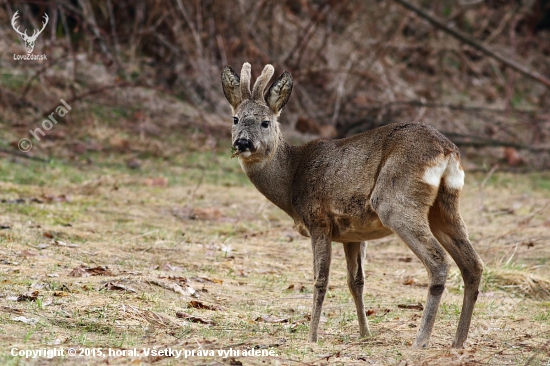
(43, 25)
(25, 35)
(13, 19)
(36, 32)
(261, 82)
(245, 81)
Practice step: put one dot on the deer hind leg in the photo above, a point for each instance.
(408, 218)
(355, 256)
(449, 229)
(321, 244)
(419, 239)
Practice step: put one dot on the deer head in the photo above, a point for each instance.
(29, 40)
(255, 131)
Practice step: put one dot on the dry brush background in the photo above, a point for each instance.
(128, 225)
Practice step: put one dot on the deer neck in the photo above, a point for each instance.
(273, 175)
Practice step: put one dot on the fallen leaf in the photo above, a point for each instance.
(193, 319)
(187, 291)
(26, 253)
(528, 244)
(417, 306)
(28, 297)
(48, 198)
(180, 280)
(203, 279)
(226, 249)
(131, 273)
(83, 271)
(64, 244)
(211, 214)
(7, 309)
(25, 320)
(154, 319)
(243, 273)
(48, 301)
(271, 319)
(60, 293)
(159, 319)
(79, 272)
(326, 356)
(168, 267)
(156, 182)
(512, 156)
(292, 327)
(409, 281)
(112, 286)
(406, 259)
(380, 312)
(199, 305)
(119, 144)
(8, 262)
(370, 312)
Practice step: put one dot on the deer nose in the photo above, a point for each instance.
(242, 144)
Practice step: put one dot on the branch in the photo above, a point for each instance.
(477, 141)
(466, 39)
(460, 107)
(20, 154)
(91, 92)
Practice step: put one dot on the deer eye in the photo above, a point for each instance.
(265, 124)
(235, 120)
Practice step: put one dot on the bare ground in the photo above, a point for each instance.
(189, 256)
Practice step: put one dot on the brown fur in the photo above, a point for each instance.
(359, 188)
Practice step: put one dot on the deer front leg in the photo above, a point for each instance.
(355, 256)
(321, 245)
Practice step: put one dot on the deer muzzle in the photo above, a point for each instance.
(243, 145)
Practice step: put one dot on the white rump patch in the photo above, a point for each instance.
(433, 174)
(454, 175)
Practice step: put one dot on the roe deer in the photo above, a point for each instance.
(402, 178)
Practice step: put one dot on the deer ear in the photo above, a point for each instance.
(231, 87)
(279, 92)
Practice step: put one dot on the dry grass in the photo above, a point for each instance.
(198, 259)
(522, 281)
